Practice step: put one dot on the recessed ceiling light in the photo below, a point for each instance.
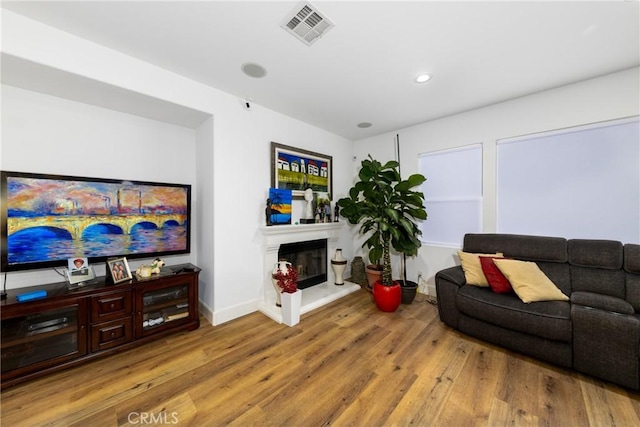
(364, 125)
(422, 78)
(253, 70)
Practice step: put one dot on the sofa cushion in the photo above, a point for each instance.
(559, 273)
(497, 282)
(529, 282)
(598, 280)
(631, 265)
(530, 248)
(472, 269)
(549, 319)
(633, 290)
(632, 258)
(595, 253)
(602, 302)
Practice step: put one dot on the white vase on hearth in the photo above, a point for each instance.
(338, 265)
(283, 266)
(291, 304)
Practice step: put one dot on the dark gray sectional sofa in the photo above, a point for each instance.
(597, 332)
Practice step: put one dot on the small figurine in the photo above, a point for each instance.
(308, 196)
(145, 271)
(156, 265)
(327, 212)
(267, 212)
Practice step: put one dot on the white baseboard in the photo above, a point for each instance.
(230, 313)
(205, 311)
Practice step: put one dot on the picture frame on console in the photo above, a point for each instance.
(79, 272)
(296, 169)
(118, 270)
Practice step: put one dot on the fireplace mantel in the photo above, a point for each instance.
(315, 296)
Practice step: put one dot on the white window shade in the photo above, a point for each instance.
(453, 194)
(578, 183)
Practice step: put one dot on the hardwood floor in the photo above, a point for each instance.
(346, 364)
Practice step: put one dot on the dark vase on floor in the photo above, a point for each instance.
(409, 290)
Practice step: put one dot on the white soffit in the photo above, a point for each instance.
(25, 74)
(306, 23)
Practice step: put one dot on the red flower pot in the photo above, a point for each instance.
(387, 298)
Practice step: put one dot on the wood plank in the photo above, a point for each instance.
(425, 400)
(468, 401)
(607, 404)
(503, 414)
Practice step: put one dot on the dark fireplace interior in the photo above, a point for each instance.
(309, 258)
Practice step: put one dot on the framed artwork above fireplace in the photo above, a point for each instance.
(296, 169)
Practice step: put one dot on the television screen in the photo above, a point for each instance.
(46, 219)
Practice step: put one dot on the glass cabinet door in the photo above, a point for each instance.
(165, 306)
(43, 338)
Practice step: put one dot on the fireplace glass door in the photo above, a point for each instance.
(309, 258)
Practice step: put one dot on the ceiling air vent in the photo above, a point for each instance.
(306, 24)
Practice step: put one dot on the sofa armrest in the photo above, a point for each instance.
(454, 275)
(605, 345)
(448, 283)
(602, 302)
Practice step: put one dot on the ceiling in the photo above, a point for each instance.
(362, 70)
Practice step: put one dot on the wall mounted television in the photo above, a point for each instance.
(46, 219)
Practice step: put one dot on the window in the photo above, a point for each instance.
(453, 194)
(582, 182)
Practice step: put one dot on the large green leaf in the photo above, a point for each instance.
(392, 213)
(391, 164)
(416, 179)
(417, 213)
(375, 254)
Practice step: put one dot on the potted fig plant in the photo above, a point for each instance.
(387, 210)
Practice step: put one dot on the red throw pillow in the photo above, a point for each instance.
(497, 281)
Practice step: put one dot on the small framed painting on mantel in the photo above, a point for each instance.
(296, 169)
(279, 207)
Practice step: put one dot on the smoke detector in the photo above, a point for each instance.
(306, 24)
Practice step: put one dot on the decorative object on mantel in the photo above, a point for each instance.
(357, 271)
(338, 265)
(387, 210)
(296, 169)
(279, 207)
(308, 212)
(267, 212)
(323, 208)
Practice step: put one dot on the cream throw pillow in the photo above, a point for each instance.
(529, 282)
(473, 269)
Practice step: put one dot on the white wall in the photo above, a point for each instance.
(228, 155)
(605, 98)
(47, 134)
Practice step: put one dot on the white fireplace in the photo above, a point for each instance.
(315, 296)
